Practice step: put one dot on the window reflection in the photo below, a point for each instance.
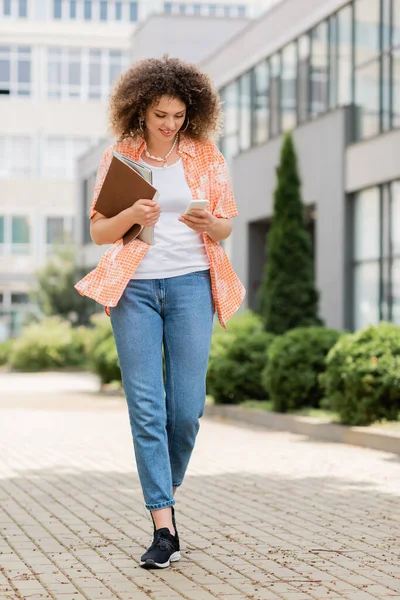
(288, 87)
(319, 69)
(396, 89)
(261, 104)
(345, 43)
(366, 295)
(230, 142)
(303, 75)
(367, 99)
(396, 23)
(245, 112)
(366, 224)
(275, 94)
(367, 25)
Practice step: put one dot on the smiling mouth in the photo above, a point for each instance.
(166, 132)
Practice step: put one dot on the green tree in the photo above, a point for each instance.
(288, 297)
(54, 292)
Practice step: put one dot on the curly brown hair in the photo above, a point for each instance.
(146, 81)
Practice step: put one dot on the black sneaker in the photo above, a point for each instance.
(164, 550)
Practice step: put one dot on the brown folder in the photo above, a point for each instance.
(123, 186)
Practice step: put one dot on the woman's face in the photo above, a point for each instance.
(165, 118)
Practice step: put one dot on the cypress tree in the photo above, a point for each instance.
(288, 297)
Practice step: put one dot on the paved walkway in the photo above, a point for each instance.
(262, 515)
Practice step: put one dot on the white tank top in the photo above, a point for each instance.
(177, 250)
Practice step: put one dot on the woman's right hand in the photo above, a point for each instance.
(145, 212)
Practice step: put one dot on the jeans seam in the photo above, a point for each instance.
(171, 380)
(160, 505)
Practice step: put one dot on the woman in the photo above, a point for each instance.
(163, 297)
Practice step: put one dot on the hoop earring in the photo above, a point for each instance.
(141, 123)
(182, 130)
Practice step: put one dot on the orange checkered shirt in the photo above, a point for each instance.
(208, 178)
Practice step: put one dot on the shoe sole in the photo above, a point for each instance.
(150, 564)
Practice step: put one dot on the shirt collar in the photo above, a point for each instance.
(186, 146)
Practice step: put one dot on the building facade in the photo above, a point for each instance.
(329, 71)
(58, 62)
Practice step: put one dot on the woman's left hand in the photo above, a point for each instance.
(200, 220)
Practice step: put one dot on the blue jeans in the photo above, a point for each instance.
(175, 314)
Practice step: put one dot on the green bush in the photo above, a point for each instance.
(237, 358)
(362, 376)
(49, 344)
(5, 351)
(102, 350)
(295, 361)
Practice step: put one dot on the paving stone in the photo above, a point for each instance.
(262, 515)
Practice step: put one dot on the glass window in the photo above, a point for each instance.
(366, 295)
(367, 25)
(168, 7)
(367, 99)
(385, 93)
(95, 74)
(261, 104)
(133, 11)
(345, 45)
(396, 88)
(7, 8)
(333, 61)
(1, 230)
(182, 9)
(116, 65)
(275, 94)
(60, 155)
(15, 70)
(24, 71)
(19, 298)
(319, 69)
(57, 9)
(15, 156)
(212, 9)
(20, 235)
(55, 230)
(386, 26)
(303, 78)
(87, 10)
(230, 142)
(288, 86)
(72, 9)
(103, 10)
(197, 9)
(395, 235)
(118, 11)
(396, 24)
(367, 251)
(55, 158)
(366, 223)
(245, 112)
(241, 10)
(395, 218)
(74, 73)
(22, 8)
(5, 70)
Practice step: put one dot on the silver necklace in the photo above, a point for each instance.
(158, 158)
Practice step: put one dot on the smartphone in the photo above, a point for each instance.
(201, 204)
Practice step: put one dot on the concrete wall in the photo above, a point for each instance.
(187, 37)
(90, 254)
(320, 147)
(373, 161)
